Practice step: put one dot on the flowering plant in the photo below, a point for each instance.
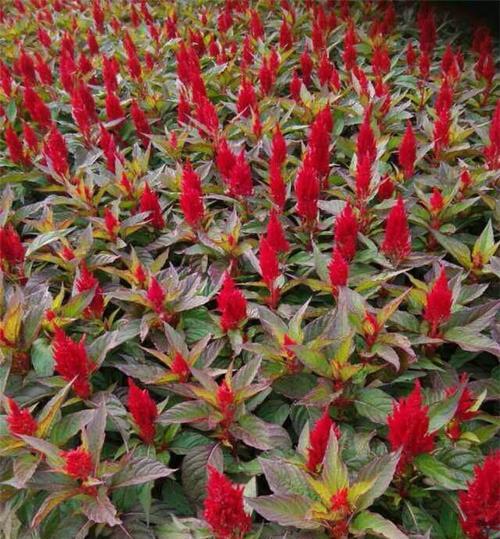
(248, 270)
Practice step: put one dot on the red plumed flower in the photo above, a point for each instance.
(30, 137)
(37, 109)
(156, 295)
(438, 304)
(149, 203)
(56, 151)
(225, 159)
(180, 367)
(480, 503)
(295, 86)
(407, 151)
(143, 410)
(444, 99)
(78, 463)
(20, 421)
(325, 70)
(71, 361)
(140, 123)
(278, 147)
(319, 142)
(240, 179)
(114, 109)
(110, 70)
(266, 77)
(386, 188)
(108, 146)
(111, 223)
(397, 239)
(318, 441)
(286, 37)
(206, 114)
(363, 177)
(346, 232)
(441, 132)
(277, 185)
(15, 146)
(275, 234)
(232, 305)
(87, 281)
(463, 412)
(191, 199)
(256, 26)
(269, 269)
(338, 270)
(365, 143)
(492, 152)
(11, 248)
(307, 188)
(247, 100)
(409, 428)
(306, 66)
(223, 507)
(411, 56)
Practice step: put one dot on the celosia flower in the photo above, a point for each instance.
(111, 223)
(346, 232)
(108, 145)
(71, 361)
(223, 507)
(11, 248)
(277, 185)
(409, 428)
(206, 114)
(436, 201)
(363, 177)
(338, 270)
(87, 281)
(463, 411)
(56, 152)
(78, 463)
(411, 57)
(20, 421)
(269, 269)
(275, 234)
(266, 77)
(278, 147)
(232, 305)
(385, 188)
(340, 507)
(149, 203)
(140, 123)
(113, 106)
(143, 410)
(180, 367)
(318, 441)
(286, 37)
(15, 146)
(319, 142)
(441, 132)
(307, 188)
(156, 295)
(365, 143)
(306, 66)
(240, 179)
(438, 304)
(295, 86)
(371, 329)
(225, 159)
(325, 70)
(247, 100)
(407, 152)
(480, 503)
(397, 239)
(191, 199)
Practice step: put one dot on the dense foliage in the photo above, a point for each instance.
(248, 273)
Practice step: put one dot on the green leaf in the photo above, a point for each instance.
(185, 412)
(441, 412)
(457, 249)
(255, 432)
(334, 473)
(438, 473)
(375, 524)
(41, 357)
(194, 470)
(137, 471)
(285, 510)
(284, 478)
(374, 404)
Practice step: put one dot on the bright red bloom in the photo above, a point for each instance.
(339, 502)
(424, 65)
(78, 463)
(306, 66)
(133, 63)
(371, 329)
(5, 79)
(286, 37)
(363, 177)
(444, 99)
(346, 232)
(381, 62)
(438, 303)
(20, 421)
(465, 180)
(37, 109)
(275, 234)
(338, 269)
(56, 151)
(295, 86)
(397, 239)
(149, 203)
(108, 146)
(427, 28)
(11, 248)
(278, 147)
(156, 295)
(256, 26)
(349, 54)
(110, 70)
(92, 42)
(480, 503)
(140, 123)
(436, 201)
(407, 151)
(319, 142)
(365, 143)
(143, 410)
(247, 100)
(180, 367)
(87, 281)
(206, 114)
(307, 188)
(325, 70)
(409, 428)
(277, 185)
(385, 188)
(223, 507)
(30, 137)
(15, 146)
(441, 132)
(318, 441)
(266, 76)
(225, 159)
(269, 265)
(71, 361)
(463, 412)
(191, 199)
(492, 152)
(411, 57)
(240, 179)
(232, 304)
(111, 223)
(114, 109)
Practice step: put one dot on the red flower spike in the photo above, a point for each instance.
(319, 142)
(278, 147)
(275, 235)
(307, 189)
(56, 152)
(87, 281)
(113, 106)
(480, 503)
(71, 361)
(232, 305)
(20, 421)
(225, 159)
(407, 152)
(191, 199)
(363, 177)
(111, 223)
(141, 123)
(325, 70)
(15, 146)
(411, 56)
(386, 188)
(408, 428)
(338, 270)
(37, 109)
(318, 441)
(156, 295)
(286, 37)
(11, 247)
(240, 179)
(180, 367)
(149, 203)
(30, 137)
(277, 185)
(463, 412)
(223, 507)
(365, 143)
(346, 233)
(247, 100)
(306, 66)
(436, 201)
(397, 239)
(78, 463)
(295, 86)
(143, 410)
(438, 304)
